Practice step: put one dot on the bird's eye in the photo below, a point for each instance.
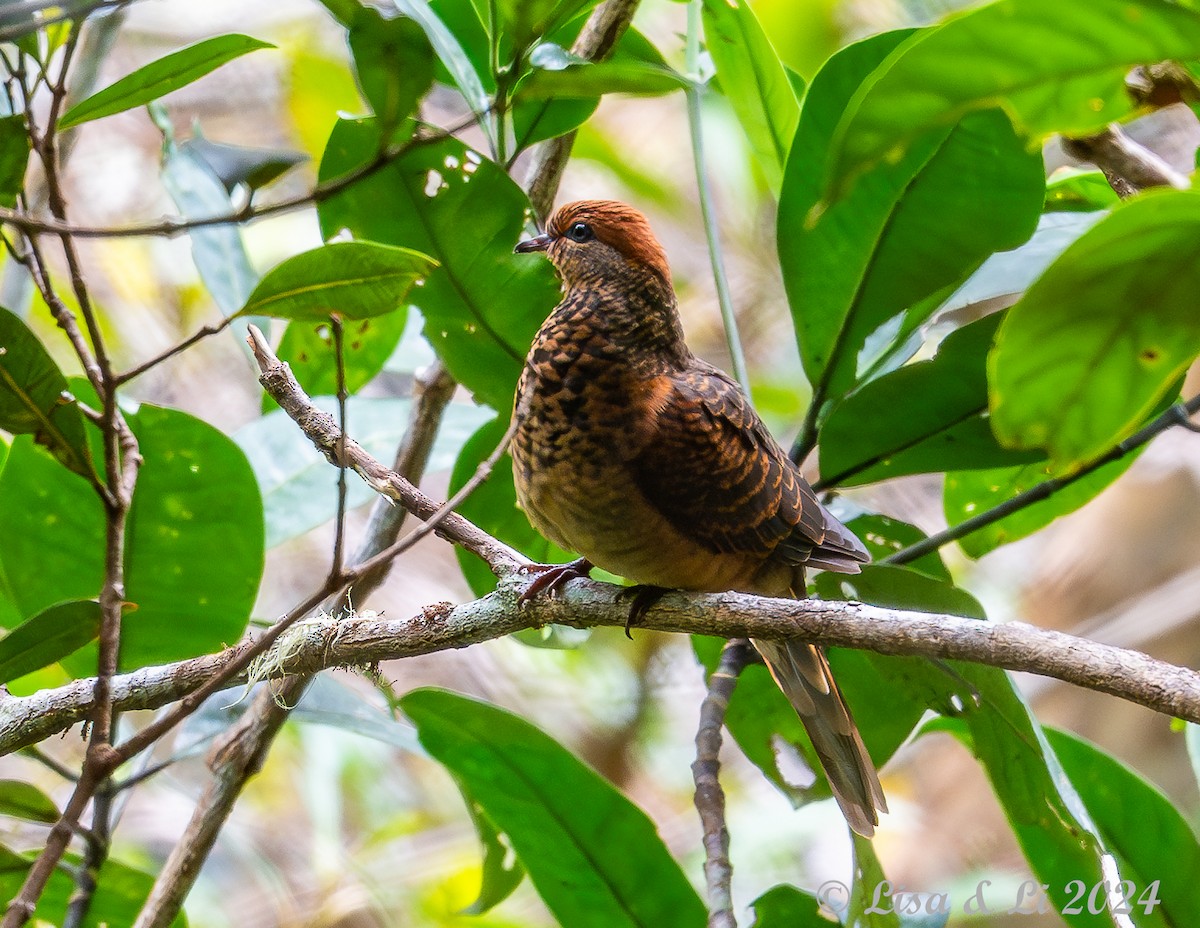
(580, 232)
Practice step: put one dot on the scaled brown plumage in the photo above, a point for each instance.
(653, 465)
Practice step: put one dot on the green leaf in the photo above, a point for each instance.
(48, 637)
(34, 399)
(866, 910)
(26, 801)
(907, 231)
(121, 891)
(1152, 840)
(1074, 190)
(1103, 335)
(160, 77)
(500, 875)
(563, 819)
(584, 80)
(493, 507)
(884, 536)
(927, 417)
(787, 907)
(309, 351)
(356, 280)
(14, 156)
(523, 21)
(1053, 67)
(194, 548)
(969, 493)
(394, 63)
(299, 486)
(447, 201)
(449, 52)
(754, 81)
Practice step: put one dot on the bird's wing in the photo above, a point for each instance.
(713, 470)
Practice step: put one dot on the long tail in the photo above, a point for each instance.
(803, 674)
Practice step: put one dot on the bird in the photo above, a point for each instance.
(653, 465)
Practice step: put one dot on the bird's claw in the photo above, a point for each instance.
(643, 597)
(551, 576)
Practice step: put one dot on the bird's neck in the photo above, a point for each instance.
(640, 316)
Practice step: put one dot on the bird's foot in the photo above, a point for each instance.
(551, 576)
(643, 597)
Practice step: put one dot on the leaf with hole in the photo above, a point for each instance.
(160, 77)
(355, 280)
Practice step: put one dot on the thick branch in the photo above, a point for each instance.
(319, 644)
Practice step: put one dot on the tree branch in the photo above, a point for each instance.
(1128, 165)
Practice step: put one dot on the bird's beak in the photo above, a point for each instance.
(537, 243)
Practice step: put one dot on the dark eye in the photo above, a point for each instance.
(580, 232)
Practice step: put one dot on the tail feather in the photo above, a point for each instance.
(803, 674)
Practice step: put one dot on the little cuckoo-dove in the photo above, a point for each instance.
(653, 465)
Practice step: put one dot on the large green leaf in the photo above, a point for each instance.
(367, 344)
(34, 399)
(483, 304)
(14, 156)
(394, 64)
(299, 485)
(48, 637)
(927, 417)
(1053, 67)
(450, 53)
(594, 857)
(1151, 838)
(970, 493)
(754, 81)
(161, 77)
(356, 280)
(1103, 335)
(907, 231)
(194, 547)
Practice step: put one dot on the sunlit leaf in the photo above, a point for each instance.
(1054, 67)
(356, 280)
(586, 80)
(563, 818)
(48, 637)
(1103, 335)
(1080, 191)
(161, 77)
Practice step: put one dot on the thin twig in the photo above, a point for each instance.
(187, 343)
(1179, 414)
(50, 763)
(710, 797)
(707, 209)
(339, 537)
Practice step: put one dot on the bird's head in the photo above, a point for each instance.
(602, 242)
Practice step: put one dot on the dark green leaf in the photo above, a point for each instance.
(48, 637)
(239, 164)
(1080, 191)
(449, 52)
(309, 350)
(1103, 335)
(564, 820)
(754, 81)
(787, 907)
(14, 156)
(394, 64)
(969, 493)
(907, 231)
(523, 21)
(34, 399)
(483, 305)
(356, 280)
(585, 80)
(927, 417)
(884, 536)
(1152, 840)
(299, 486)
(343, 11)
(493, 507)
(161, 77)
(24, 800)
(194, 550)
(1054, 67)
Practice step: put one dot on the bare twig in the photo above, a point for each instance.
(203, 333)
(339, 537)
(710, 798)
(1178, 414)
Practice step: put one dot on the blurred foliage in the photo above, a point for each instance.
(955, 314)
